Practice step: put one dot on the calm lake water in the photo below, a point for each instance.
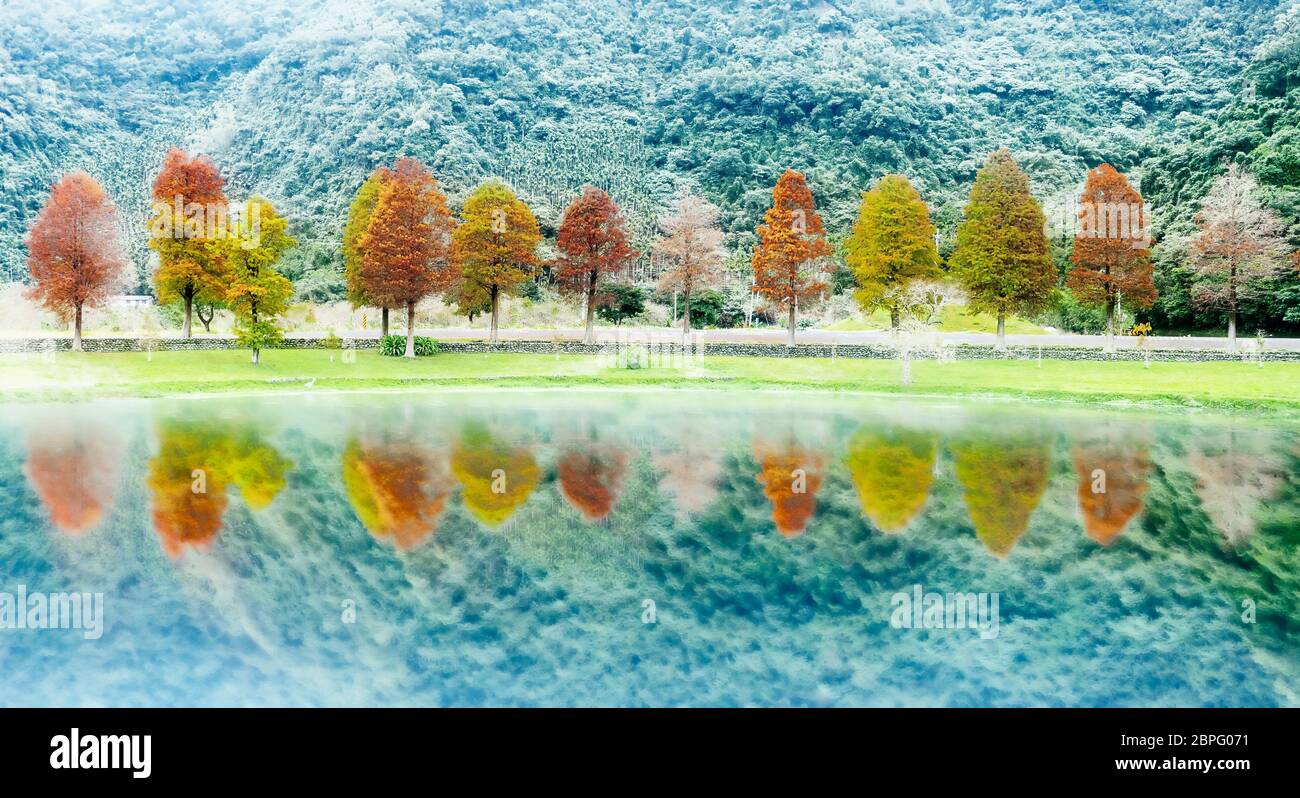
(681, 549)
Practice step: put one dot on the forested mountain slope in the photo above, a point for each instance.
(301, 100)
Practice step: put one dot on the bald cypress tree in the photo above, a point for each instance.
(1002, 257)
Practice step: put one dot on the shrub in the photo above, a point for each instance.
(395, 346)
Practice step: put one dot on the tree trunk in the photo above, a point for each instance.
(410, 329)
(686, 320)
(1232, 331)
(493, 335)
(207, 321)
(589, 336)
(76, 331)
(383, 329)
(189, 310)
(893, 317)
(790, 338)
(1110, 325)
(1002, 330)
(257, 353)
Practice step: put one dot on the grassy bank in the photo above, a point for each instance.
(1229, 386)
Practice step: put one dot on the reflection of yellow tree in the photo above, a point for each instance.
(790, 475)
(498, 478)
(73, 470)
(1234, 476)
(893, 472)
(397, 489)
(1113, 477)
(590, 478)
(1002, 481)
(192, 470)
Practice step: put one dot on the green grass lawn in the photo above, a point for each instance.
(953, 318)
(1235, 386)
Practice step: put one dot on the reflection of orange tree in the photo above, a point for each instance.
(192, 470)
(790, 475)
(1003, 481)
(1112, 484)
(590, 478)
(73, 471)
(498, 478)
(893, 471)
(397, 489)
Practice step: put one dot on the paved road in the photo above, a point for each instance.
(823, 336)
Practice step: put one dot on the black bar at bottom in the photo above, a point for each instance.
(212, 747)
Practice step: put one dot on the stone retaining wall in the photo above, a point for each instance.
(656, 349)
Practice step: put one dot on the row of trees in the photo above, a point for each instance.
(209, 252)
(401, 243)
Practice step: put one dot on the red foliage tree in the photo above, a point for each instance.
(73, 251)
(405, 247)
(592, 239)
(590, 479)
(1112, 257)
(792, 243)
(74, 472)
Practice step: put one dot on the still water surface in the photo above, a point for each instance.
(683, 549)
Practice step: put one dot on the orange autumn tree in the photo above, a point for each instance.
(791, 476)
(187, 230)
(1113, 474)
(74, 472)
(1112, 257)
(189, 495)
(893, 471)
(787, 264)
(593, 244)
(404, 250)
(73, 251)
(497, 477)
(195, 467)
(1002, 482)
(398, 490)
(590, 478)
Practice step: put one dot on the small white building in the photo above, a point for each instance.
(130, 301)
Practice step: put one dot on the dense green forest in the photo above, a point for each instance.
(301, 101)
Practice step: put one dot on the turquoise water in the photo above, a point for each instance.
(684, 549)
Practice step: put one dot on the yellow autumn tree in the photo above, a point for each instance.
(497, 477)
(1002, 481)
(892, 470)
(190, 476)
